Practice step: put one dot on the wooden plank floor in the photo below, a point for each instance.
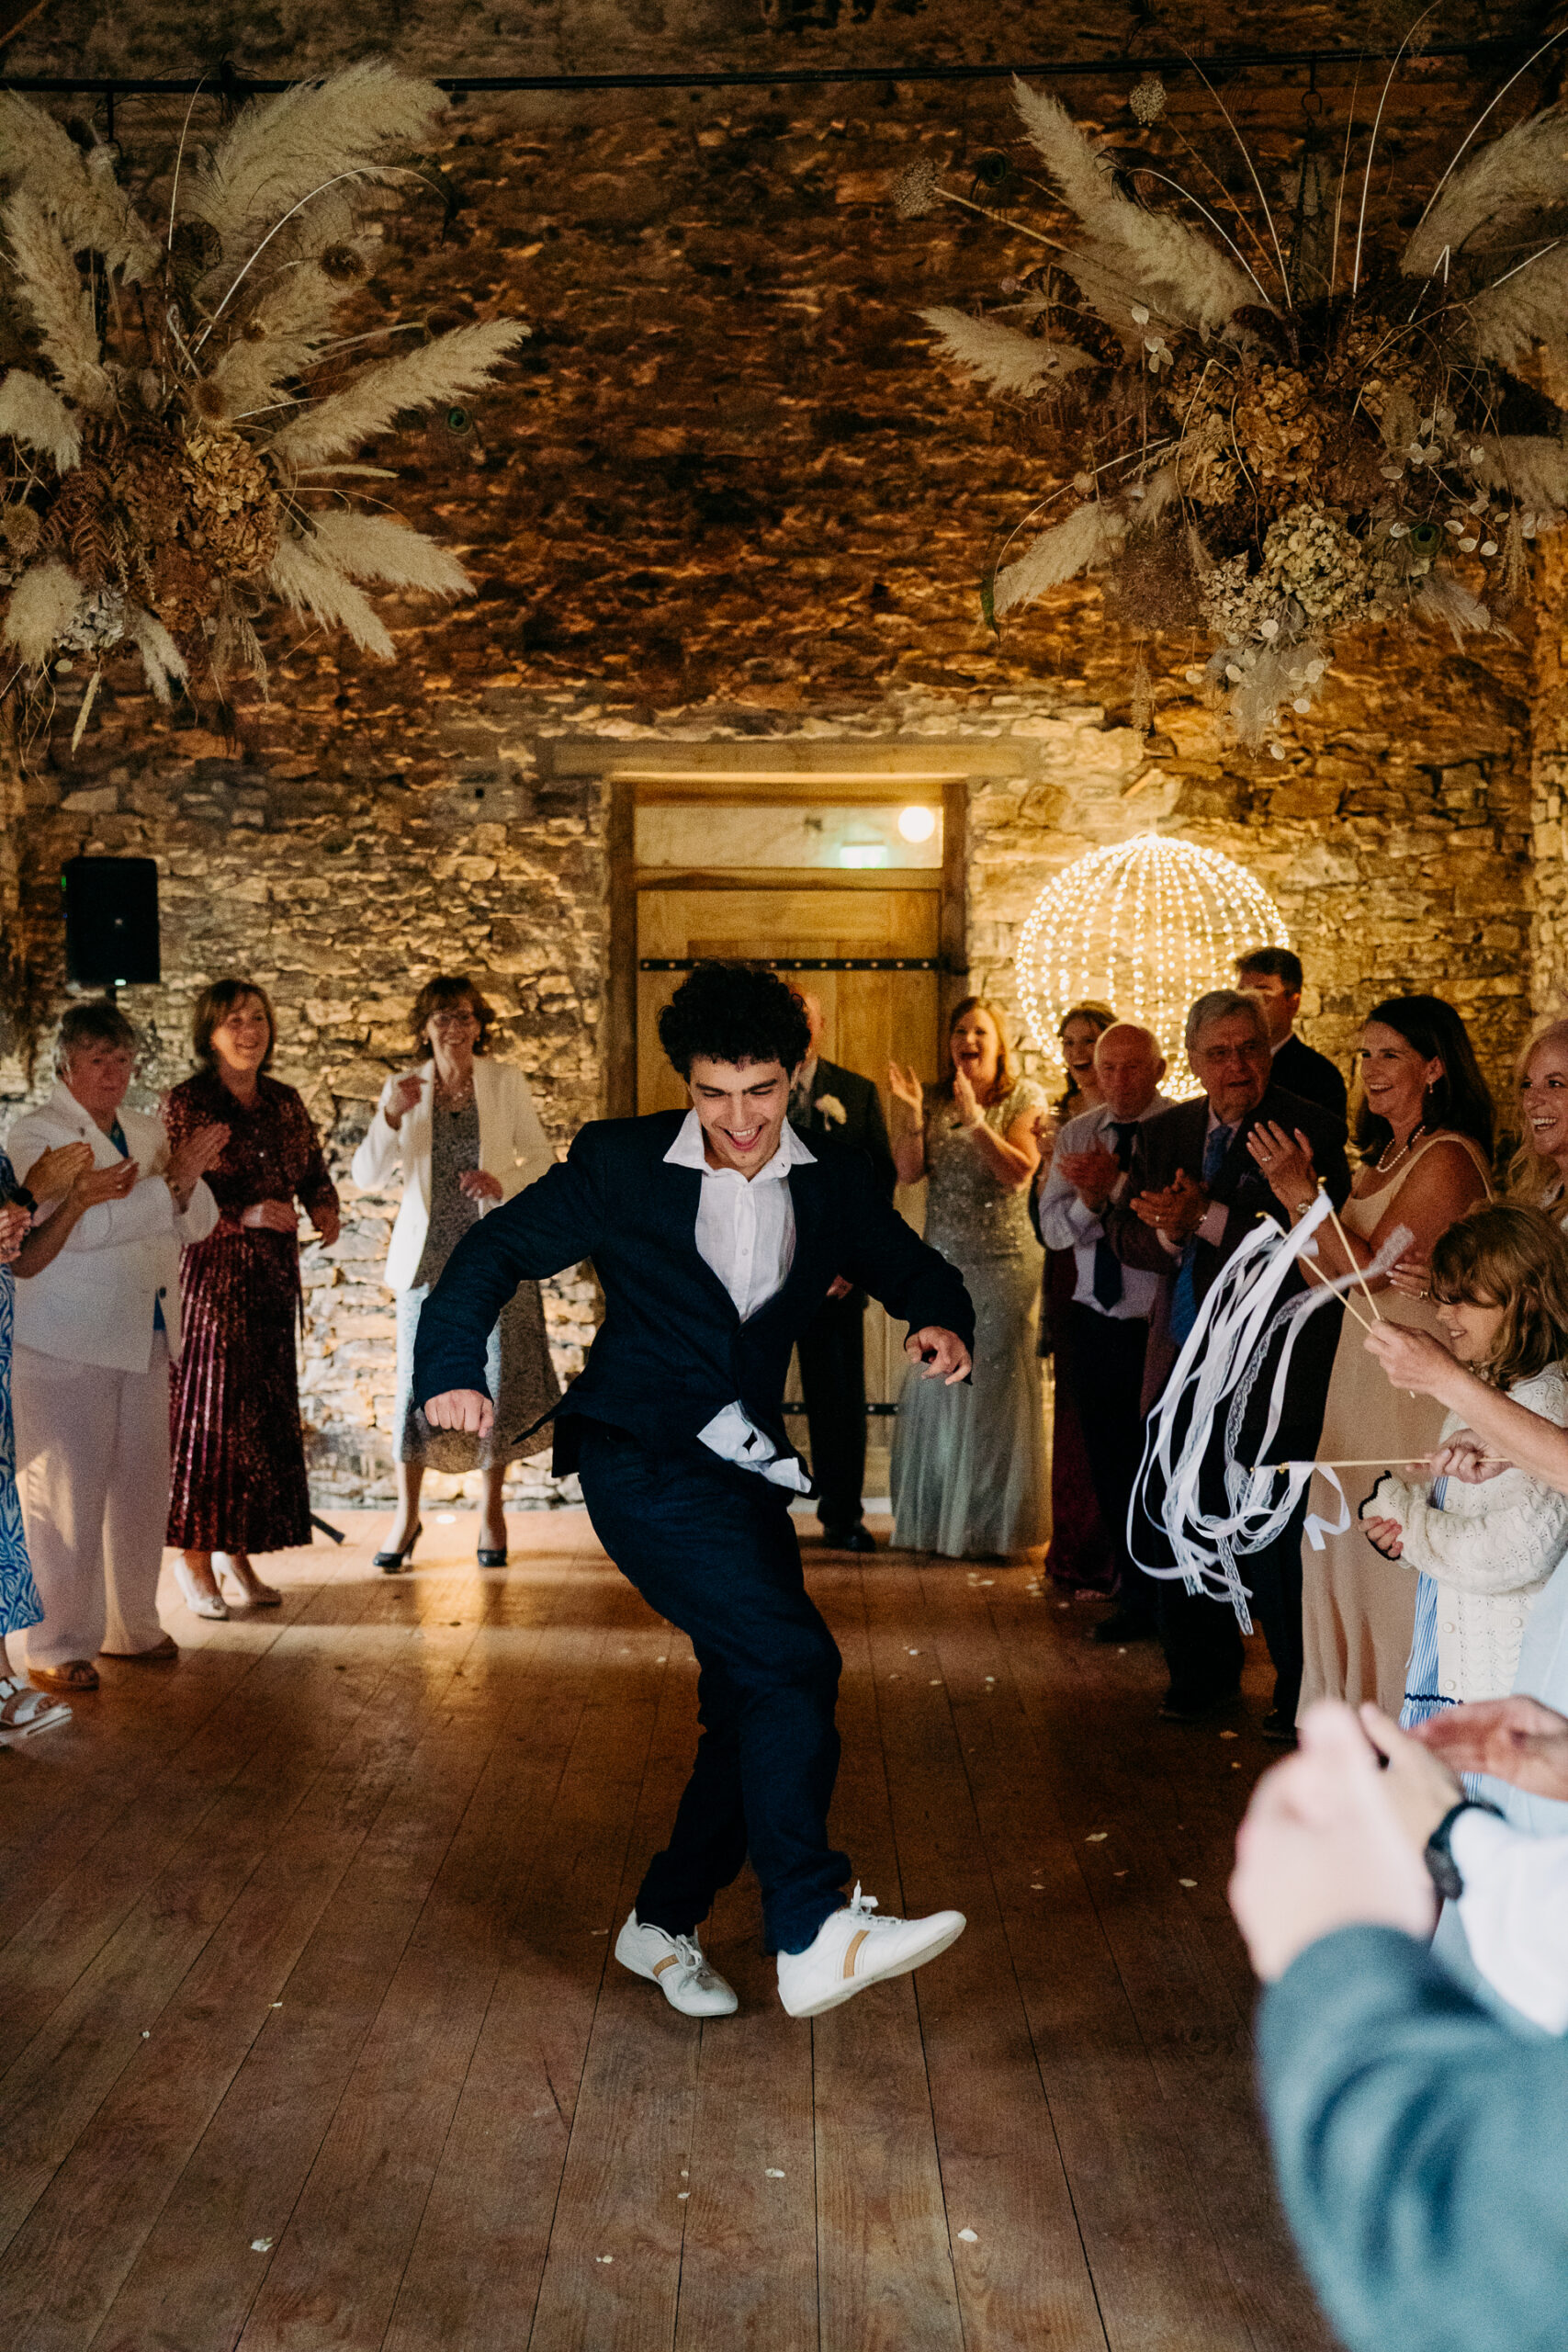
(310, 2040)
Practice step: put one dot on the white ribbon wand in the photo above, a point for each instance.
(1223, 1358)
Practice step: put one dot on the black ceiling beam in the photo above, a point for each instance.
(231, 86)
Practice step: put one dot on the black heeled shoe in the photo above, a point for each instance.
(389, 1563)
(492, 1558)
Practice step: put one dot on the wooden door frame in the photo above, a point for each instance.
(619, 1048)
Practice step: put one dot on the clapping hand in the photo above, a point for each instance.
(1176, 1211)
(1093, 1175)
(906, 1088)
(52, 1175)
(1412, 1274)
(195, 1156)
(963, 1101)
(1286, 1161)
(404, 1096)
(94, 1187)
(16, 1222)
(1516, 1740)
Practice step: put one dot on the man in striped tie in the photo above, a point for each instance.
(1193, 1191)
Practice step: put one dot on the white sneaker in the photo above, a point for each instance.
(678, 1966)
(851, 1951)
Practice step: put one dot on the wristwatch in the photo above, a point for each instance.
(1437, 1855)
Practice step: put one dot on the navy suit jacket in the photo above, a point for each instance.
(1300, 1069)
(1421, 2147)
(862, 1126)
(672, 1351)
(1175, 1140)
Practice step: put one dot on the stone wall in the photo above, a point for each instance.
(726, 494)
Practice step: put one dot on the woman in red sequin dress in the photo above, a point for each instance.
(238, 1476)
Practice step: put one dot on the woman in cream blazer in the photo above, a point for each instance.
(462, 1134)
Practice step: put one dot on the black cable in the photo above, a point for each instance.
(228, 84)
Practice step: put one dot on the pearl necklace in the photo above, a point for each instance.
(1416, 1132)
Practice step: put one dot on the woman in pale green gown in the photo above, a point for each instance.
(970, 1478)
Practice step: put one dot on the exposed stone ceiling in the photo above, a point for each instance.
(726, 467)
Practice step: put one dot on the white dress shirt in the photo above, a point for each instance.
(1514, 1911)
(1067, 1224)
(745, 1231)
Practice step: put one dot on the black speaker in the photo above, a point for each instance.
(111, 922)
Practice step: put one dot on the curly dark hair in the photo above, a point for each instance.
(734, 1012)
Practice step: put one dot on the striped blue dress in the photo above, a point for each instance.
(19, 1604)
(1422, 1697)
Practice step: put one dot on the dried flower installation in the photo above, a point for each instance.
(1274, 433)
(177, 448)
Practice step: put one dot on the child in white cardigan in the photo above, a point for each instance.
(1499, 1278)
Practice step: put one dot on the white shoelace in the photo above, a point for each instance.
(862, 1905)
(693, 1957)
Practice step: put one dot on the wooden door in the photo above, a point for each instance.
(844, 945)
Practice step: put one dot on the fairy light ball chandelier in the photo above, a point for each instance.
(1146, 926)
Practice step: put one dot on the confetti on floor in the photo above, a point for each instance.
(260, 2246)
(970, 2238)
(1097, 1837)
(1186, 1882)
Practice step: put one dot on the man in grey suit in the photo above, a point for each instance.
(825, 1099)
(1420, 2143)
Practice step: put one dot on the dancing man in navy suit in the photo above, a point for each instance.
(716, 1235)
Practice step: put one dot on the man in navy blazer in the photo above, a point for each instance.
(1193, 1191)
(715, 1234)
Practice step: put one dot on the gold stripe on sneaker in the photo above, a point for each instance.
(669, 1961)
(851, 1954)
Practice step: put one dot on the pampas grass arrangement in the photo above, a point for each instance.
(1272, 432)
(175, 454)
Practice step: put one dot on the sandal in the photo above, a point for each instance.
(76, 1674)
(24, 1711)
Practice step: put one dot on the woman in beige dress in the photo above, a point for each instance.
(1423, 1130)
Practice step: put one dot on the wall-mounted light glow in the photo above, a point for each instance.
(864, 854)
(1146, 926)
(917, 823)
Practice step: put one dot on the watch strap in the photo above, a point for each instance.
(1438, 1854)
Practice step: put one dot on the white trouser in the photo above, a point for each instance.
(93, 1471)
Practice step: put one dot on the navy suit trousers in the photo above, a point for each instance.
(713, 1549)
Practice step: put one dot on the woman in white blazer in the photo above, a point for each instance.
(463, 1133)
(95, 1330)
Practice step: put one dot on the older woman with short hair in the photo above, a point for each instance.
(239, 1484)
(97, 1327)
(462, 1132)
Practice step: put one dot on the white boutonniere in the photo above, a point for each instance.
(831, 1109)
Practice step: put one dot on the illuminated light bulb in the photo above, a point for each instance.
(1146, 926)
(917, 824)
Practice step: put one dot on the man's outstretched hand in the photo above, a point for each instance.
(468, 1409)
(1516, 1740)
(941, 1354)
